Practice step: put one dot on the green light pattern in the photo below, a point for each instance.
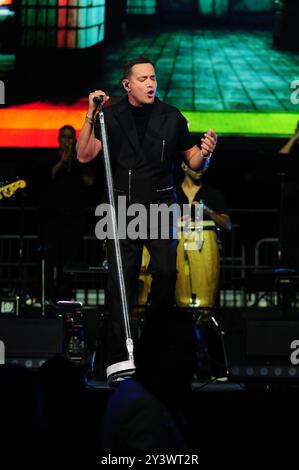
(212, 70)
(247, 123)
(212, 7)
(222, 7)
(252, 5)
(62, 23)
(141, 7)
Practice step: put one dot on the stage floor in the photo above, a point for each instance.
(215, 385)
(222, 417)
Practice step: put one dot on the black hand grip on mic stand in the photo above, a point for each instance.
(98, 100)
(111, 200)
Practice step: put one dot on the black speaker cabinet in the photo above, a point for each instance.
(257, 343)
(30, 341)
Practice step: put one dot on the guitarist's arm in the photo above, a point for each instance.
(66, 155)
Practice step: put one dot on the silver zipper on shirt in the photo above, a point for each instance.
(163, 148)
(130, 172)
(164, 189)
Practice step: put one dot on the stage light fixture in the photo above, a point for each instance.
(9, 306)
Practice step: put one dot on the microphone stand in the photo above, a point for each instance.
(283, 294)
(22, 280)
(116, 244)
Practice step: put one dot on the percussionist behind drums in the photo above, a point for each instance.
(198, 269)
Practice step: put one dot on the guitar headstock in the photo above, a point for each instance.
(9, 189)
(19, 184)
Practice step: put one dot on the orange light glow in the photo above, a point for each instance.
(5, 3)
(37, 124)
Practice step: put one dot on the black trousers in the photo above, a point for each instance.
(163, 269)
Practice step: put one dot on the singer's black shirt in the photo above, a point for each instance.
(144, 170)
(141, 116)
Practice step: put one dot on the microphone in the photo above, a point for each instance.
(98, 100)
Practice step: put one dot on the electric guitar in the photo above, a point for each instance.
(10, 189)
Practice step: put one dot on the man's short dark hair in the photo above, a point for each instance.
(139, 60)
(68, 127)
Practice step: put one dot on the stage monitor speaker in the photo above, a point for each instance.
(257, 343)
(31, 341)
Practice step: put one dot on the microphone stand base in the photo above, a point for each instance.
(119, 371)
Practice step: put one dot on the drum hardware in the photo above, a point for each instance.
(194, 302)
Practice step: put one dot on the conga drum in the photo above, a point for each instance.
(198, 269)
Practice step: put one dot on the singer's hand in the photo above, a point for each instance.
(208, 143)
(92, 106)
